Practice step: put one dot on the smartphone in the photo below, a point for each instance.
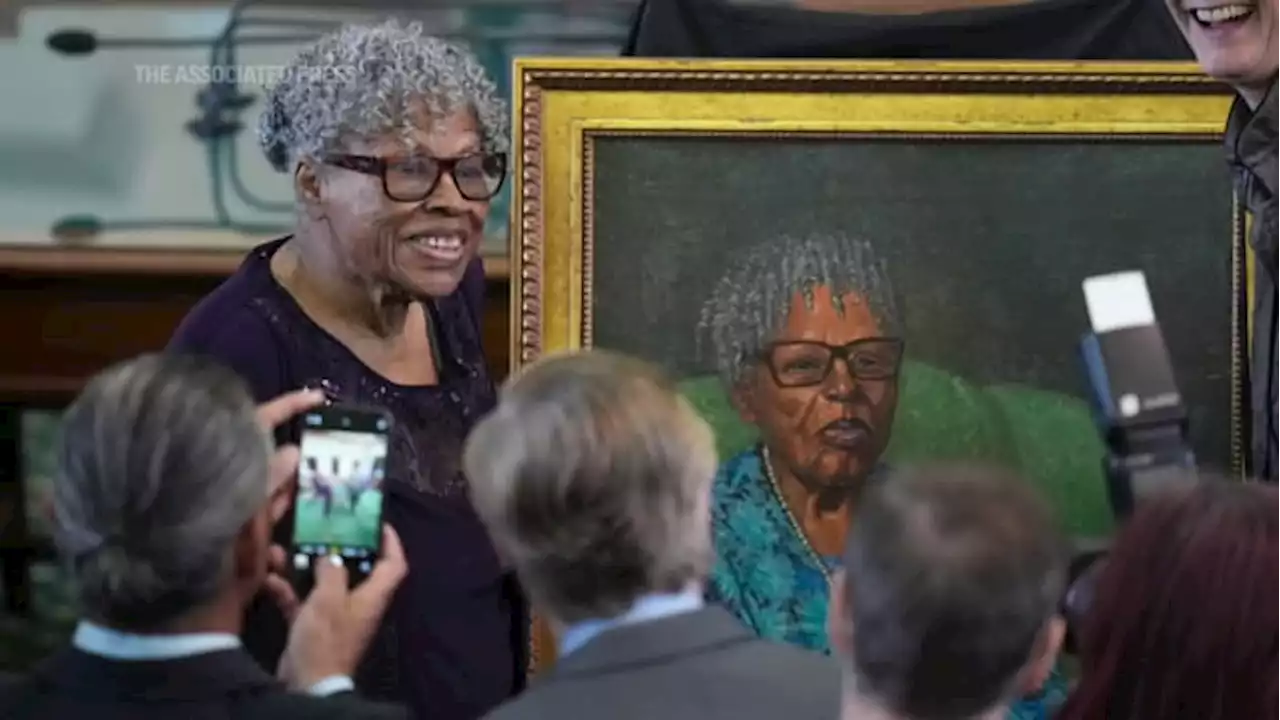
(337, 506)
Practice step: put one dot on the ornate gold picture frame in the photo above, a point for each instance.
(635, 180)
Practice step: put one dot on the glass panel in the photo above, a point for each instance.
(100, 142)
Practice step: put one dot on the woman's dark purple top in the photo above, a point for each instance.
(453, 644)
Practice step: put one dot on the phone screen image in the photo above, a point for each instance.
(338, 506)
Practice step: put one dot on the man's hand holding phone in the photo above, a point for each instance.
(331, 630)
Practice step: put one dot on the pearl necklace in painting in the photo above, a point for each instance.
(791, 517)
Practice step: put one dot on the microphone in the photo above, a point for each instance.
(75, 42)
(77, 229)
(84, 228)
(72, 42)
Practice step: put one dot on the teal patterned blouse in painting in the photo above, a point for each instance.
(765, 575)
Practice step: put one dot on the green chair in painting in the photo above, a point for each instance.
(1049, 437)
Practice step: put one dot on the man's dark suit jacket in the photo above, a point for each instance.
(74, 685)
(701, 665)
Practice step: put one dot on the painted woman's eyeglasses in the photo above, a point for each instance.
(414, 178)
(805, 363)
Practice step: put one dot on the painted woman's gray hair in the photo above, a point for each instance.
(365, 81)
(749, 305)
(161, 462)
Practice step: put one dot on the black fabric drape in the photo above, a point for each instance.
(1038, 30)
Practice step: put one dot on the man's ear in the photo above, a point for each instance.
(1044, 655)
(839, 626)
(249, 552)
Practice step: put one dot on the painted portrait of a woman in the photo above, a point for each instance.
(807, 339)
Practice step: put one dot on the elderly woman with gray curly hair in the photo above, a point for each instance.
(396, 150)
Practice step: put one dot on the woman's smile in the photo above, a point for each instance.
(439, 249)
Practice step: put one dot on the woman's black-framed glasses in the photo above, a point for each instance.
(413, 178)
(807, 363)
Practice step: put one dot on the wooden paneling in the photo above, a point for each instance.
(66, 320)
(59, 331)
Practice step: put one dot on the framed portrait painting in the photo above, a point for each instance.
(690, 213)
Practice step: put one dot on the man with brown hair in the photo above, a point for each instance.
(947, 606)
(594, 478)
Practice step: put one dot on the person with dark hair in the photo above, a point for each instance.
(1183, 623)
(947, 603)
(167, 485)
(396, 144)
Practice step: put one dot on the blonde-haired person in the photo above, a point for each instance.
(594, 478)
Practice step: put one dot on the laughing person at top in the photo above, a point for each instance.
(394, 153)
(1235, 42)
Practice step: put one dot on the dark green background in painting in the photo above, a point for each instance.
(987, 241)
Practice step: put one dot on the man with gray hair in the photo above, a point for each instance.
(166, 491)
(594, 478)
(947, 605)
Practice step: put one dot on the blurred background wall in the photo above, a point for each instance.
(104, 134)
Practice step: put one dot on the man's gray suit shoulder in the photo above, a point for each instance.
(804, 680)
(746, 681)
